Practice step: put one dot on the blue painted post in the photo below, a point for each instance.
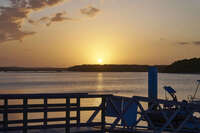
(152, 83)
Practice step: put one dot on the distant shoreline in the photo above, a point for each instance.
(84, 68)
(114, 68)
(86, 72)
(31, 69)
(186, 66)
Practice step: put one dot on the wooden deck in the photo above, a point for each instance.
(58, 130)
(80, 130)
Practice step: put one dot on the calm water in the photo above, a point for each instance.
(127, 84)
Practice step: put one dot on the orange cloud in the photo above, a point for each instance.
(196, 42)
(12, 17)
(90, 11)
(58, 17)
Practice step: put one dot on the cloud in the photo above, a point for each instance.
(196, 42)
(2, 37)
(12, 17)
(162, 39)
(39, 4)
(189, 43)
(183, 43)
(11, 23)
(44, 19)
(90, 11)
(58, 17)
(31, 21)
(16, 12)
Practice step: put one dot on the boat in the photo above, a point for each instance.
(194, 99)
(160, 115)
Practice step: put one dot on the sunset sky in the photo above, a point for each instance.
(59, 33)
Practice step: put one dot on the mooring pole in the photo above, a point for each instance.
(152, 83)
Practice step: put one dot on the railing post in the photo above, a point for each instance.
(152, 83)
(67, 129)
(25, 115)
(78, 112)
(5, 114)
(103, 113)
(45, 112)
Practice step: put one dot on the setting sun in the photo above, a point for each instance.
(100, 60)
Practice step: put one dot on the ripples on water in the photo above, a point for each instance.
(126, 84)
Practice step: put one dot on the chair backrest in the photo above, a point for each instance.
(171, 91)
(122, 107)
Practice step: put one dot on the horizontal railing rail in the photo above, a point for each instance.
(128, 113)
(44, 107)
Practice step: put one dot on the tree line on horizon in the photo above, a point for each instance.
(184, 66)
(181, 66)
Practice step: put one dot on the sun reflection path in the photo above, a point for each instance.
(99, 81)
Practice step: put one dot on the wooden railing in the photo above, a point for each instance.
(45, 107)
(128, 113)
